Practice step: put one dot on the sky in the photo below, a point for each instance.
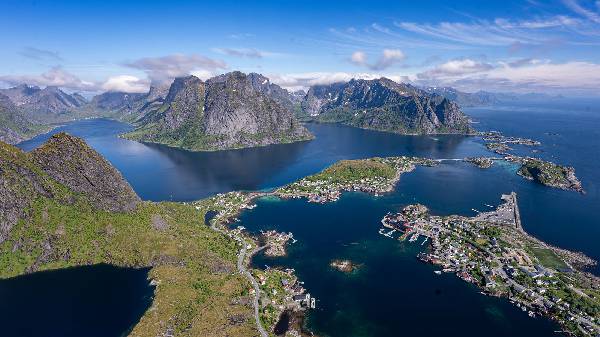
(504, 46)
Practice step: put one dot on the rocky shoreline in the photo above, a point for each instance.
(280, 290)
(547, 173)
(345, 266)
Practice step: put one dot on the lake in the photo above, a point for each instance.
(393, 293)
(99, 300)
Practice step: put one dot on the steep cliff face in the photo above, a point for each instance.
(62, 166)
(263, 85)
(233, 110)
(319, 95)
(383, 104)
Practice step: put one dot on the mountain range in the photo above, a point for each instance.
(125, 106)
(465, 99)
(486, 98)
(14, 125)
(236, 110)
(48, 105)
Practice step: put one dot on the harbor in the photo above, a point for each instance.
(492, 251)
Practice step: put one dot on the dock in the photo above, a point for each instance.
(516, 210)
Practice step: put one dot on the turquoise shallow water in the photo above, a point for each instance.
(393, 294)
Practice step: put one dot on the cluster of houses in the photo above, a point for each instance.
(276, 241)
(490, 251)
(324, 191)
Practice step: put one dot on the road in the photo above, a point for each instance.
(241, 265)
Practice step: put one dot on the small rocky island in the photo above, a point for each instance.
(498, 137)
(499, 148)
(345, 266)
(499, 143)
(547, 173)
(481, 162)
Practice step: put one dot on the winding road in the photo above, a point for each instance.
(241, 265)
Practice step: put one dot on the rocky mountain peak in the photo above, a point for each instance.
(231, 110)
(383, 104)
(158, 91)
(71, 162)
(181, 85)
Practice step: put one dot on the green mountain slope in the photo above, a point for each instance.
(63, 205)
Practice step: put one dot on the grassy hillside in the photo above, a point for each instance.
(198, 293)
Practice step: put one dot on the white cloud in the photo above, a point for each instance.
(56, 76)
(359, 58)
(40, 54)
(521, 75)
(126, 83)
(569, 75)
(455, 68)
(204, 74)
(166, 68)
(503, 32)
(388, 58)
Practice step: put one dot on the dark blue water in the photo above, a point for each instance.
(394, 293)
(159, 172)
(97, 300)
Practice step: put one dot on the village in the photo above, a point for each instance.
(277, 292)
(498, 137)
(276, 242)
(492, 251)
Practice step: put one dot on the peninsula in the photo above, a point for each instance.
(63, 205)
(492, 251)
(374, 175)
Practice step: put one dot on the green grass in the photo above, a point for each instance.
(194, 266)
(184, 257)
(352, 170)
(548, 258)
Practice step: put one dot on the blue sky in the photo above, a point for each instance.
(126, 45)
